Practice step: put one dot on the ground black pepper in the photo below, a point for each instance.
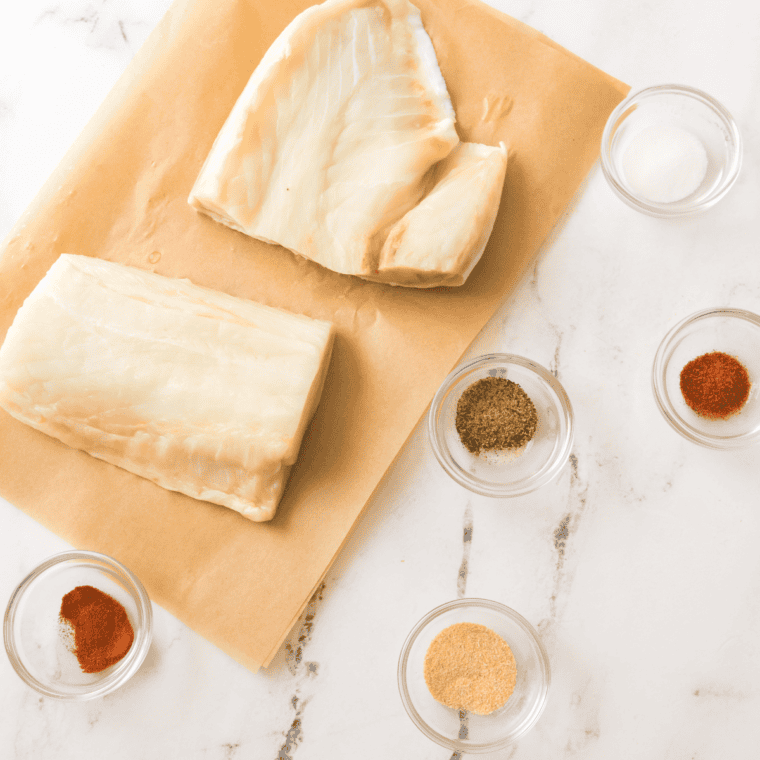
(495, 414)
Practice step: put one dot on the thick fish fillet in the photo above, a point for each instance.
(441, 239)
(196, 390)
(337, 136)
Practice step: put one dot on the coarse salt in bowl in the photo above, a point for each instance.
(35, 643)
(463, 731)
(735, 332)
(510, 472)
(671, 150)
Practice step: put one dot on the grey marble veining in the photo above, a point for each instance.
(109, 24)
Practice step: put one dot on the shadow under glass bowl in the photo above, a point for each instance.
(509, 473)
(731, 331)
(32, 628)
(473, 733)
(682, 107)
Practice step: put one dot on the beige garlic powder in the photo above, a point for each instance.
(470, 667)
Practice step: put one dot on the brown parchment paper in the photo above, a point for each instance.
(120, 194)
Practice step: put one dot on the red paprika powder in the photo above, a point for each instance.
(101, 629)
(715, 385)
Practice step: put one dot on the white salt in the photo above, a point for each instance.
(664, 164)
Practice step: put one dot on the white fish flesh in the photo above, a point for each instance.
(196, 390)
(337, 147)
(440, 240)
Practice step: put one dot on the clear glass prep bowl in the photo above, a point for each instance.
(31, 628)
(509, 474)
(678, 106)
(733, 331)
(475, 733)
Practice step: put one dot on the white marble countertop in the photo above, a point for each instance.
(638, 565)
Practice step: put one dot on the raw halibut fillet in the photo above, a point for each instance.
(441, 239)
(196, 390)
(333, 149)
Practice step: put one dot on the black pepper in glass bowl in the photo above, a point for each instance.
(501, 425)
(495, 414)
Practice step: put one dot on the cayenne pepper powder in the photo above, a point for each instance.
(715, 385)
(101, 629)
(495, 414)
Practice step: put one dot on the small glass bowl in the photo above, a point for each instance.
(509, 473)
(679, 106)
(732, 331)
(32, 629)
(473, 733)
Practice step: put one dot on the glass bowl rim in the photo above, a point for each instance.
(131, 662)
(666, 210)
(659, 367)
(553, 467)
(471, 602)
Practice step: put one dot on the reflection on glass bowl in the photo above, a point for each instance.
(689, 111)
(39, 653)
(470, 732)
(509, 472)
(731, 331)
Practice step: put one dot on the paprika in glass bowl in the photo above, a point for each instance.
(705, 375)
(501, 425)
(78, 626)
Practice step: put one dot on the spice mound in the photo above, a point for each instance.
(102, 633)
(665, 164)
(715, 385)
(470, 667)
(495, 414)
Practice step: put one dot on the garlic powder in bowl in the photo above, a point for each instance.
(470, 667)
(512, 698)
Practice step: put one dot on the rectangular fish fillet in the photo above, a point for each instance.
(198, 391)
